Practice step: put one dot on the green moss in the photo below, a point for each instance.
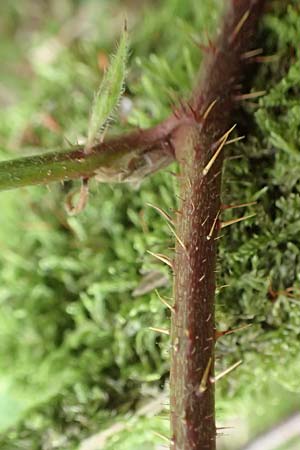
(76, 351)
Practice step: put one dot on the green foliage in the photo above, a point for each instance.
(76, 353)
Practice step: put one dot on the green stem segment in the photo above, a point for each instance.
(44, 169)
(128, 158)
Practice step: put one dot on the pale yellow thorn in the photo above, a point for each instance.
(213, 227)
(223, 140)
(240, 205)
(266, 59)
(225, 135)
(203, 384)
(235, 330)
(161, 258)
(232, 141)
(252, 53)
(239, 25)
(250, 95)
(220, 334)
(177, 237)
(213, 159)
(226, 372)
(218, 237)
(209, 109)
(161, 212)
(165, 302)
(219, 288)
(160, 330)
(233, 221)
(165, 438)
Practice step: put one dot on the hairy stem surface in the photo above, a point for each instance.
(196, 147)
(120, 159)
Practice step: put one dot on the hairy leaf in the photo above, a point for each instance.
(110, 91)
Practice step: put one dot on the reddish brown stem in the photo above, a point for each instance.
(193, 327)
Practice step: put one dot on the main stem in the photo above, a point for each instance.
(193, 330)
(193, 323)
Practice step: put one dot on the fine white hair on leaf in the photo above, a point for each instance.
(109, 93)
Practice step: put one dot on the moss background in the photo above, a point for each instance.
(76, 352)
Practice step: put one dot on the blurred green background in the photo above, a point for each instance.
(77, 294)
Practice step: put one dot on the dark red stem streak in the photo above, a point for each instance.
(193, 322)
(141, 138)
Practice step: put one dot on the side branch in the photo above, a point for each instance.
(127, 158)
